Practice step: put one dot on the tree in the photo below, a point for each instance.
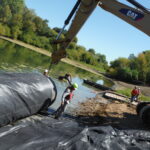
(101, 58)
(15, 32)
(41, 26)
(72, 46)
(5, 13)
(135, 75)
(92, 51)
(120, 63)
(2, 30)
(131, 56)
(143, 69)
(28, 17)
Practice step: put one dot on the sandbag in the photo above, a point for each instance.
(24, 94)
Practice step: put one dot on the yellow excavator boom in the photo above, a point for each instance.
(84, 11)
(134, 16)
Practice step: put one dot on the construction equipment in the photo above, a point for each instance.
(138, 16)
(86, 7)
(143, 111)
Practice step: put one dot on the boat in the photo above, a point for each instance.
(97, 85)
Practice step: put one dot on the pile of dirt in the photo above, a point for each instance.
(96, 107)
(101, 111)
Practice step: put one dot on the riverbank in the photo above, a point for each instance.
(101, 111)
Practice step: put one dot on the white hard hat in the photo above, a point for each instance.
(46, 70)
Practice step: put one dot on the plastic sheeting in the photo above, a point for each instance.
(24, 94)
(46, 133)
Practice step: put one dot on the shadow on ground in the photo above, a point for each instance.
(128, 121)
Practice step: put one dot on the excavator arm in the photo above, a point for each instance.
(85, 9)
(138, 17)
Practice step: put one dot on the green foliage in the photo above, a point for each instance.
(133, 69)
(120, 63)
(19, 22)
(72, 45)
(2, 30)
(144, 98)
(15, 32)
(126, 92)
(92, 51)
(135, 75)
(89, 57)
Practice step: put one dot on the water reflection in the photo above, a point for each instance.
(14, 58)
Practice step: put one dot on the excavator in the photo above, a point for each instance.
(138, 16)
(135, 14)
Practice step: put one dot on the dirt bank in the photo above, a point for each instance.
(101, 111)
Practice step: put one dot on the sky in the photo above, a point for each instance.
(104, 32)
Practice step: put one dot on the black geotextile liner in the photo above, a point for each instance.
(46, 133)
(23, 94)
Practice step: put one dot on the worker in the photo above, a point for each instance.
(134, 94)
(66, 98)
(138, 93)
(67, 77)
(45, 72)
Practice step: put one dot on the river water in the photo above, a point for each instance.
(14, 58)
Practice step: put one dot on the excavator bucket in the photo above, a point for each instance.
(84, 11)
(58, 54)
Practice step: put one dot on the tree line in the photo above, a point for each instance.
(133, 69)
(19, 22)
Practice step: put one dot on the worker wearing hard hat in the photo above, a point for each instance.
(68, 93)
(66, 99)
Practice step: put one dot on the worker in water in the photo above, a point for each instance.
(135, 93)
(45, 72)
(67, 77)
(66, 98)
